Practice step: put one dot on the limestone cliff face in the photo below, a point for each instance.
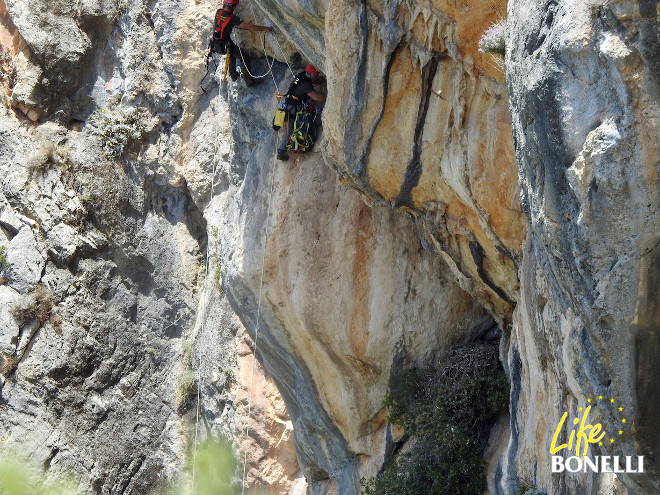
(583, 79)
(153, 243)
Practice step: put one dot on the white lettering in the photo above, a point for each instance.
(593, 464)
(568, 464)
(599, 464)
(557, 464)
(617, 468)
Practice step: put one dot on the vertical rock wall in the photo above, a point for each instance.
(583, 80)
(141, 213)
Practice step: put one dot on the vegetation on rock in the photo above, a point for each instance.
(492, 41)
(447, 413)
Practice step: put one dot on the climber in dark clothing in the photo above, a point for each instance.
(300, 92)
(221, 42)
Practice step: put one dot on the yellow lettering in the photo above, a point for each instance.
(581, 435)
(553, 449)
(586, 434)
(594, 431)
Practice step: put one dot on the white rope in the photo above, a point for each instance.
(284, 57)
(272, 63)
(256, 332)
(261, 285)
(245, 65)
(206, 276)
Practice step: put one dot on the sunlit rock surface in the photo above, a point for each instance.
(150, 207)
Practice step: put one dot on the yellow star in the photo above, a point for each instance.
(611, 400)
(620, 432)
(611, 440)
(600, 443)
(579, 409)
(623, 420)
(621, 409)
(588, 400)
(600, 397)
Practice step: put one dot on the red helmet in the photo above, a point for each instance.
(233, 3)
(311, 70)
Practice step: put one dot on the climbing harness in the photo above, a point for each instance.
(302, 137)
(220, 25)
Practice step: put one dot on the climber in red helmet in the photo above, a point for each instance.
(300, 92)
(221, 42)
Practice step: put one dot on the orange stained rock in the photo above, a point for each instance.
(392, 141)
(473, 18)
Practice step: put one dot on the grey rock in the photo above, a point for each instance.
(579, 74)
(10, 221)
(8, 327)
(62, 241)
(27, 259)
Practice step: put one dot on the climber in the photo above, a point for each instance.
(300, 94)
(221, 42)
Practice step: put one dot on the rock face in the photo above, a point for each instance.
(583, 81)
(423, 125)
(148, 231)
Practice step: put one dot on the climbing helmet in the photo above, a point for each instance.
(311, 70)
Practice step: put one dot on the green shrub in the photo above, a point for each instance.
(448, 413)
(4, 264)
(186, 392)
(492, 41)
(212, 469)
(17, 477)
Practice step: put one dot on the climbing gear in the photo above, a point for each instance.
(310, 69)
(304, 132)
(209, 56)
(224, 73)
(221, 23)
(282, 155)
(280, 115)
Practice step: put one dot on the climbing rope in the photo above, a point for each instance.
(270, 64)
(261, 280)
(256, 333)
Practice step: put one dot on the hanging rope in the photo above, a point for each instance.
(256, 333)
(270, 64)
(261, 285)
(206, 276)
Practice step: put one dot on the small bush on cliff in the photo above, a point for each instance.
(119, 126)
(448, 413)
(37, 305)
(7, 67)
(4, 264)
(492, 41)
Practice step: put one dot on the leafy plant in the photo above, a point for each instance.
(186, 391)
(448, 413)
(492, 41)
(210, 470)
(213, 467)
